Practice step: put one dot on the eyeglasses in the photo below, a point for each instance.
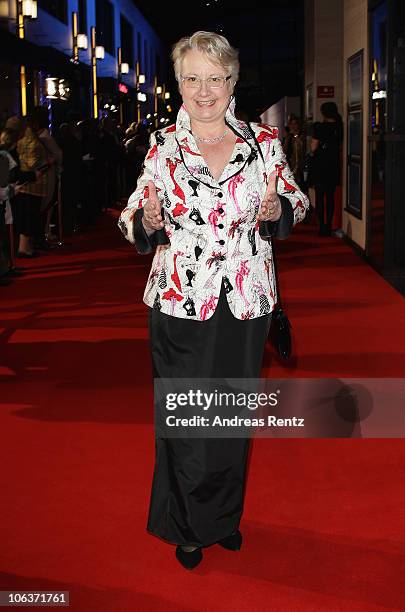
(213, 82)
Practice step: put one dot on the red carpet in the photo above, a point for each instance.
(324, 521)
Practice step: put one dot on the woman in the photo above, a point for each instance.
(211, 288)
(72, 169)
(33, 157)
(136, 147)
(53, 173)
(325, 146)
(10, 136)
(294, 148)
(9, 175)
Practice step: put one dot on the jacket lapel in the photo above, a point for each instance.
(189, 152)
(194, 161)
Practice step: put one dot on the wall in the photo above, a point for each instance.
(277, 115)
(323, 49)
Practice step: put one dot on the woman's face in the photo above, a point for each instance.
(204, 104)
(294, 127)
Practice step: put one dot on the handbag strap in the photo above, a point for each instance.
(249, 127)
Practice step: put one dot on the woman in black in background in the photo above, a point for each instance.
(326, 141)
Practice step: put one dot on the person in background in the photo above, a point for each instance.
(8, 190)
(72, 170)
(110, 149)
(53, 173)
(136, 146)
(294, 148)
(33, 156)
(327, 137)
(93, 177)
(284, 136)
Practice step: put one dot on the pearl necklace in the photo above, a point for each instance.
(210, 140)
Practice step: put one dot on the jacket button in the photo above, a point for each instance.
(220, 194)
(221, 241)
(220, 225)
(220, 210)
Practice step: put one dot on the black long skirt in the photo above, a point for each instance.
(198, 484)
(28, 214)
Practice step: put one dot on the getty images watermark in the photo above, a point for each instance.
(299, 408)
(217, 400)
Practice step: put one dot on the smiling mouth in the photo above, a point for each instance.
(205, 102)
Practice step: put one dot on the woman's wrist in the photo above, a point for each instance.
(275, 207)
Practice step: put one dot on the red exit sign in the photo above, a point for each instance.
(326, 91)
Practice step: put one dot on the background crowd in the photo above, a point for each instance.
(66, 180)
(61, 182)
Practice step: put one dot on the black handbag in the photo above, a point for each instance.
(280, 326)
(280, 335)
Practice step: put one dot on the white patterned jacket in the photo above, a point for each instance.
(211, 225)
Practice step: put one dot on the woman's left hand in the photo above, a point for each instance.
(270, 209)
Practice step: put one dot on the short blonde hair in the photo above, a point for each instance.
(213, 45)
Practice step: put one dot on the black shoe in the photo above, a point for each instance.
(14, 273)
(189, 560)
(232, 542)
(45, 246)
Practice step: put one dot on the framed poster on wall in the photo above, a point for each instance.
(354, 134)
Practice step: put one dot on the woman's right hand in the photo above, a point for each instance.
(152, 218)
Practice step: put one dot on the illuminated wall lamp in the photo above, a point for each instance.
(124, 68)
(82, 41)
(30, 9)
(141, 97)
(56, 89)
(100, 53)
(51, 88)
(167, 95)
(158, 89)
(141, 79)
